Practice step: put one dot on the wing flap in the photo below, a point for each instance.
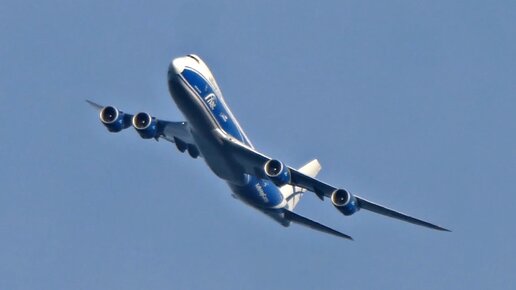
(314, 185)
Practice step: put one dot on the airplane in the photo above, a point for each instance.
(212, 132)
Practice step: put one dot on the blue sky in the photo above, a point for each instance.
(407, 103)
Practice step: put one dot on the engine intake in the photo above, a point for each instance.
(145, 125)
(113, 119)
(344, 201)
(277, 172)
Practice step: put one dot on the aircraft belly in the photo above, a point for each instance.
(259, 193)
(218, 161)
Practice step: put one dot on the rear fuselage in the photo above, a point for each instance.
(199, 98)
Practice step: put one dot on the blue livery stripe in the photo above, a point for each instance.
(257, 191)
(213, 103)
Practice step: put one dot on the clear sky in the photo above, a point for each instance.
(407, 103)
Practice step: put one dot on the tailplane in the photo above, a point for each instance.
(293, 193)
(295, 218)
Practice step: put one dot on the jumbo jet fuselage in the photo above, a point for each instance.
(196, 93)
(213, 132)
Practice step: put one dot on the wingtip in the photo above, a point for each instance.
(93, 104)
(344, 236)
(439, 228)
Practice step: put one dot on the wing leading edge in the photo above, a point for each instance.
(252, 162)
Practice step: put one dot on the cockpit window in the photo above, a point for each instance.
(194, 57)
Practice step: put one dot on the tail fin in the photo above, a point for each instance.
(293, 193)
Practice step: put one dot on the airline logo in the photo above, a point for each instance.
(211, 100)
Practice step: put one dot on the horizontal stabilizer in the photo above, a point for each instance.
(371, 206)
(295, 218)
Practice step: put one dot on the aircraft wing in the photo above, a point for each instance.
(175, 132)
(253, 162)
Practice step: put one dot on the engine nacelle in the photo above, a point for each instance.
(145, 125)
(344, 201)
(113, 119)
(277, 172)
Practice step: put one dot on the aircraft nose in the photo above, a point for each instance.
(177, 65)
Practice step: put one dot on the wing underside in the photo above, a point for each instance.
(252, 162)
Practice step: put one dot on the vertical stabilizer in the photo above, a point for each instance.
(293, 193)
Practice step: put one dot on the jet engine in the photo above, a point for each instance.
(277, 172)
(113, 119)
(344, 201)
(145, 125)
